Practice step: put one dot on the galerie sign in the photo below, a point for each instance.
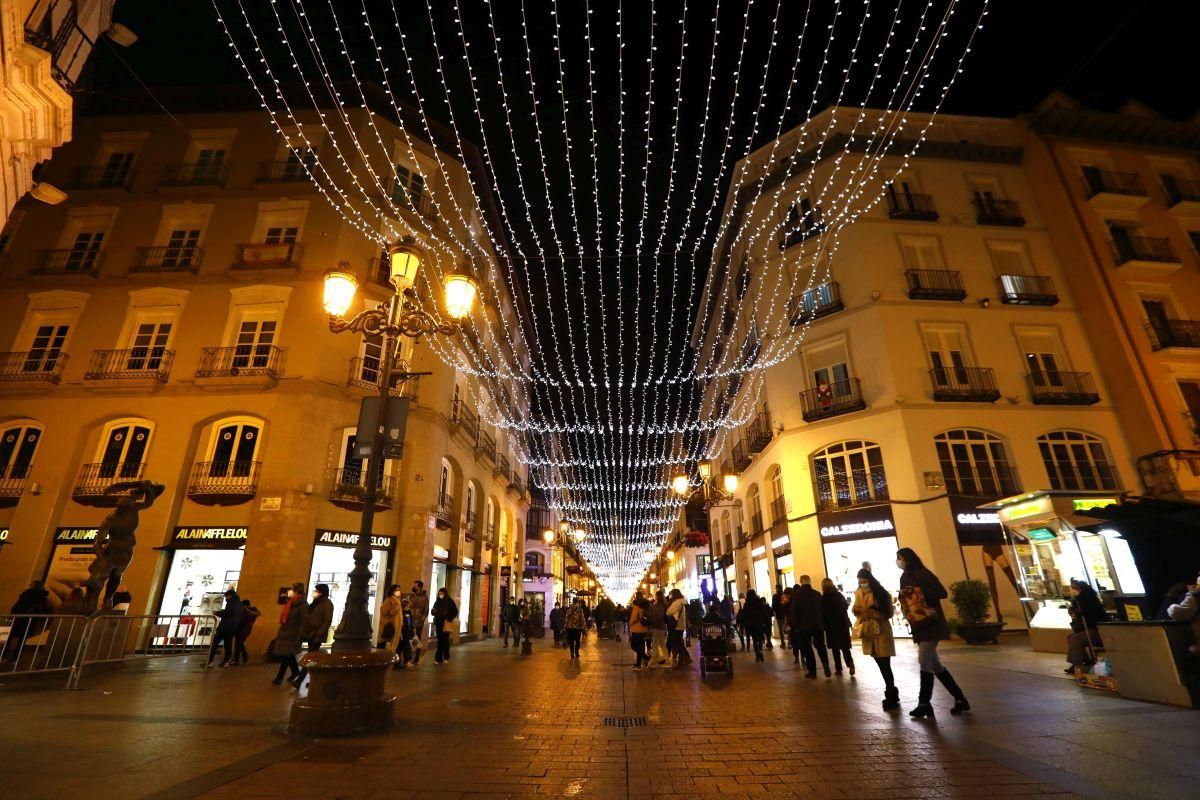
(856, 523)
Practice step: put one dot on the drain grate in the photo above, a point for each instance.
(624, 722)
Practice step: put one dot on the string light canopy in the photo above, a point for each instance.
(610, 168)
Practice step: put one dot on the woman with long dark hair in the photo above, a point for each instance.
(873, 625)
(921, 594)
(1087, 611)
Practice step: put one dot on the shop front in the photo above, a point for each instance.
(204, 562)
(862, 538)
(988, 555)
(762, 572)
(1052, 549)
(785, 572)
(333, 559)
(437, 580)
(466, 584)
(70, 558)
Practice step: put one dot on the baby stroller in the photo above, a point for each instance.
(714, 649)
(608, 630)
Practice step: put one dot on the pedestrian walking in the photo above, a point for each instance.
(556, 623)
(227, 628)
(316, 625)
(287, 642)
(408, 631)
(389, 618)
(418, 604)
(781, 608)
(807, 628)
(873, 626)
(510, 622)
(676, 621)
(837, 626)
(445, 612)
(575, 621)
(249, 617)
(921, 595)
(756, 618)
(732, 624)
(658, 630)
(639, 630)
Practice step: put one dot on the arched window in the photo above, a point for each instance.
(849, 473)
(233, 448)
(121, 453)
(754, 504)
(775, 490)
(975, 464)
(1077, 461)
(490, 518)
(535, 561)
(446, 484)
(728, 532)
(472, 520)
(18, 445)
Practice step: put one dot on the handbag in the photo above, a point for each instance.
(866, 629)
(916, 610)
(448, 626)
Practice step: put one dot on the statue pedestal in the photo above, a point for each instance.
(346, 694)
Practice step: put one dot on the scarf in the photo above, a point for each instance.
(287, 609)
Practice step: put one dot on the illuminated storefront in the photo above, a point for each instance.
(70, 558)
(858, 538)
(204, 563)
(333, 559)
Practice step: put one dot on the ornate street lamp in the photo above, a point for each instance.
(711, 495)
(347, 691)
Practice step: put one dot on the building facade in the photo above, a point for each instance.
(943, 366)
(44, 46)
(166, 323)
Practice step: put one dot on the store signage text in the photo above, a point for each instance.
(857, 528)
(440, 552)
(983, 518)
(3, 535)
(1088, 503)
(1042, 535)
(1027, 508)
(73, 535)
(210, 534)
(350, 539)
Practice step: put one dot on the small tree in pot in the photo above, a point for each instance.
(972, 598)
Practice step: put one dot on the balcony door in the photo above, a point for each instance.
(181, 248)
(18, 445)
(123, 451)
(116, 169)
(1043, 357)
(208, 164)
(948, 355)
(234, 451)
(148, 347)
(82, 253)
(255, 339)
(46, 348)
(1158, 316)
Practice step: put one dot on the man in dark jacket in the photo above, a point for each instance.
(316, 625)
(231, 622)
(511, 617)
(556, 623)
(804, 612)
(249, 615)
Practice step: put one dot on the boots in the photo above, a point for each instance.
(924, 709)
(960, 699)
(891, 698)
(416, 656)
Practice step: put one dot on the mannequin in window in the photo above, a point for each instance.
(115, 540)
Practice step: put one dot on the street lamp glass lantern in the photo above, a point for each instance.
(404, 261)
(680, 484)
(670, 555)
(340, 288)
(548, 535)
(705, 467)
(730, 482)
(564, 526)
(461, 292)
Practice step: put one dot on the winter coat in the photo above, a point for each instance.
(389, 614)
(289, 635)
(575, 619)
(657, 616)
(755, 616)
(882, 644)
(320, 619)
(637, 620)
(1087, 612)
(418, 603)
(727, 610)
(231, 616)
(837, 622)
(34, 600)
(249, 616)
(512, 614)
(556, 619)
(936, 628)
(444, 610)
(695, 614)
(677, 611)
(804, 611)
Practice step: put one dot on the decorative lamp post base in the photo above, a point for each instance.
(346, 694)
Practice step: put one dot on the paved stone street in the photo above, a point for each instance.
(494, 724)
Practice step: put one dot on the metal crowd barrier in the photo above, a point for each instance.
(45, 643)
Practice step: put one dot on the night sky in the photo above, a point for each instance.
(1102, 53)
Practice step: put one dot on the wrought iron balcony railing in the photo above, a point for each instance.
(289, 171)
(171, 258)
(136, 363)
(964, 384)
(1144, 248)
(42, 364)
(13, 478)
(241, 360)
(1099, 181)
(815, 303)
(443, 510)
(95, 479)
(195, 173)
(404, 197)
(501, 468)
(739, 456)
(798, 235)
(980, 479)
(756, 524)
(516, 487)
(1062, 388)
(1180, 191)
(1027, 290)
(1174, 333)
(464, 418)
(839, 397)
(758, 432)
(103, 178)
(935, 284)
(851, 488)
(903, 205)
(350, 488)
(365, 374)
(485, 445)
(778, 512)
(1006, 213)
(224, 481)
(275, 255)
(73, 261)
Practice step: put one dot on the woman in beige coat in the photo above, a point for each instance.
(390, 619)
(873, 615)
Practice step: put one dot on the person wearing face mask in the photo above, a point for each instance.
(418, 604)
(921, 594)
(873, 613)
(316, 625)
(837, 626)
(389, 618)
(291, 626)
(445, 612)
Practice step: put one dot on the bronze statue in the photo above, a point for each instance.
(115, 540)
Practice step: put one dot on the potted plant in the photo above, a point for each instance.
(972, 598)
